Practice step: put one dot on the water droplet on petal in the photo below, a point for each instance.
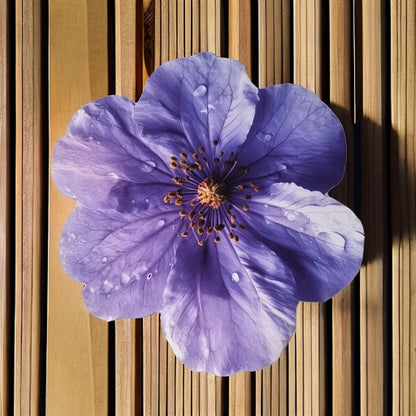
(235, 277)
(200, 91)
(104, 259)
(149, 276)
(107, 286)
(147, 166)
(265, 138)
(290, 216)
(334, 239)
(160, 223)
(125, 278)
(281, 168)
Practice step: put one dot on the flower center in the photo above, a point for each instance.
(212, 193)
(206, 197)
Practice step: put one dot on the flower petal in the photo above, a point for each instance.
(295, 137)
(100, 155)
(123, 259)
(228, 307)
(188, 103)
(318, 238)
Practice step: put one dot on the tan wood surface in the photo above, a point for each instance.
(403, 174)
(372, 120)
(352, 355)
(5, 212)
(77, 371)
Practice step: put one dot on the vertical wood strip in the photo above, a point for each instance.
(372, 119)
(5, 204)
(341, 98)
(77, 371)
(151, 365)
(239, 47)
(239, 42)
(28, 255)
(310, 363)
(125, 330)
(403, 133)
(240, 400)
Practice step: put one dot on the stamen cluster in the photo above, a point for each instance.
(207, 198)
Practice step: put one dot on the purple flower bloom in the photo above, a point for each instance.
(207, 201)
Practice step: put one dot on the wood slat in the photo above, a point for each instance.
(274, 25)
(342, 96)
(403, 150)
(77, 369)
(126, 51)
(5, 214)
(372, 120)
(28, 208)
(239, 42)
(309, 337)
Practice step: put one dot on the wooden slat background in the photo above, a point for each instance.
(355, 354)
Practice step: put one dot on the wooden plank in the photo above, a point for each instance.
(239, 47)
(403, 150)
(240, 400)
(239, 42)
(5, 214)
(126, 51)
(341, 99)
(28, 208)
(77, 371)
(372, 120)
(196, 47)
(310, 365)
(151, 365)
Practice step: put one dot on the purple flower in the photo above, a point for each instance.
(207, 201)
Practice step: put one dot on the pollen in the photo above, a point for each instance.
(212, 193)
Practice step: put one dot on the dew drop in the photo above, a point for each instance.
(107, 286)
(235, 277)
(125, 278)
(147, 166)
(265, 138)
(104, 259)
(335, 239)
(290, 216)
(200, 91)
(281, 168)
(149, 276)
(160, 223)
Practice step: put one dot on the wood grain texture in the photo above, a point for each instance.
(239, 42)
(77, 370)
(403, 176)
(372, 119)
(28, 207)
(309, 337)
(372, 331)
(126, 55)
(344, 359)
(5, 214)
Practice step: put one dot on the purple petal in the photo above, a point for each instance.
(317, 237)
(123, 259)
(100, 155)
(296, 138)
(228, 307)
(188, 103)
